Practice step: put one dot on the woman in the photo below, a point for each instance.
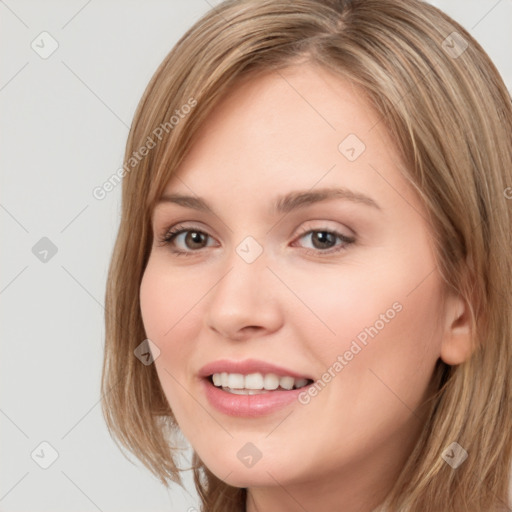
(311, 279)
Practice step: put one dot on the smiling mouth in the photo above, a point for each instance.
(256, 383)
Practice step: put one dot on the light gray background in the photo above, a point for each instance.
(64, 124)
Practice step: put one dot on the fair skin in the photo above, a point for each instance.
(295, 305)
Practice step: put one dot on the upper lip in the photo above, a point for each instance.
(246, 367)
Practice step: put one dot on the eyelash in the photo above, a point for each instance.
(172, 233)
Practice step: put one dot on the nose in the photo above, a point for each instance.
(245, 301)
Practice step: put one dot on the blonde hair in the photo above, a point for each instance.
(450, 116)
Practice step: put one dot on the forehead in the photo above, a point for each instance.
(297, 128)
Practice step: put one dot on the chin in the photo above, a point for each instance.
(238, 472)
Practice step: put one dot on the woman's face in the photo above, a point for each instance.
(336, 288)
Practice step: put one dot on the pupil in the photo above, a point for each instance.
(195, 237)
(323, 237)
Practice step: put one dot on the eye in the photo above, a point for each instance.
(324, 241)
(194, 239)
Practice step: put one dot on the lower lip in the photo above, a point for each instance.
(249, 405)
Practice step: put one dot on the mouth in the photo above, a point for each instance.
(251, 388)
(256, 383)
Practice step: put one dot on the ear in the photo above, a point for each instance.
(456, 344)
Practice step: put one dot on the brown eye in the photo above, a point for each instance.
(324, 241)
(193, 239)
(184, 240)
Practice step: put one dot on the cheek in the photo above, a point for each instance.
(154, 302)
(388, 340)
(364, 302)
(166, 300)
(169, 312)
(389, 353)
(170, 321)
(382, 319)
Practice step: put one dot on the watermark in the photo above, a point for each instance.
(249, 454)
(454, 455)
(44, 455)
(44, 250)
(508, 193)
(454, 45)
(249, 249)
(147, 352)
(349, 354)
(44, 45)
(351, 147)
(101, 191)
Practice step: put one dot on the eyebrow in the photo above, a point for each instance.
(283, 204)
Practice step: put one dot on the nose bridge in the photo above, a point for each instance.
(241, 296)
(246, 268)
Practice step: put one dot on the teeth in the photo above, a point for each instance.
(235, 381)
(249, 384)
(300, 383)
(271, 381)
(286, 382)
(254, 381)
(246, 391)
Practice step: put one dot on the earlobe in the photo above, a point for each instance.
(457, 344)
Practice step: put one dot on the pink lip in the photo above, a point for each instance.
(248, 366)
(247, 405)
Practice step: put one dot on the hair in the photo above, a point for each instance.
(450, 117)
